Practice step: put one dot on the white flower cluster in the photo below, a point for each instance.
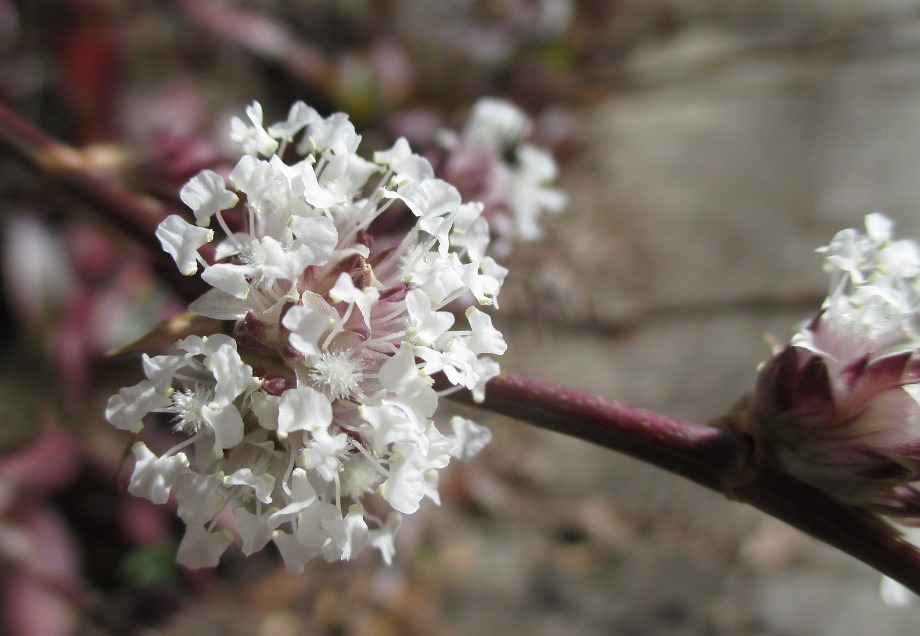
(873, 303)
(311, 423)
(490, 162)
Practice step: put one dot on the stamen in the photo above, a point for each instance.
(187, 405)
(339, 373)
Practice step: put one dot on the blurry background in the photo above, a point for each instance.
(708, 147)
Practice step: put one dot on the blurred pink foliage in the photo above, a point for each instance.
(41, 554)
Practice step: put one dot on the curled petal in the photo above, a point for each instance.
(303, 408)
(207, 194)
(127, 409)
(153, 476)
(182, 240)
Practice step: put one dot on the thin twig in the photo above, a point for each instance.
(66, 169)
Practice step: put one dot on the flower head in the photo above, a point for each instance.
(317, 405)
(490, 161)
(839, 407)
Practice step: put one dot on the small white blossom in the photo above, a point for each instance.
(496, 124)
(182, 240)
(489, 161)
(207, 194)
(154, 476)
(202, 547)
(252, 137)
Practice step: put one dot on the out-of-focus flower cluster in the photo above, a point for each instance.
(309, 422)
(490, 161)
(839, 407)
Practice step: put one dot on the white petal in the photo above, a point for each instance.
(496, 124)
(469, 437)
(205, 345)
(299, 116)
(486, 369)
(318, 233)
(405, 486)
(226, 423)
(301, 494)
(253, 139)
(230, 278)
(197, 497)
(161, 369)
(306, 326)
(303, 408)
(253, 529)
(181, 240)
(126, 410)
(285, 264)
(400, 371)
(406, 165)
(153, 476)
(383, 538)
(313, 522)
(265, 406)
(207, 194)
(292, 552)
(262, 484)
(878, 227)
(335, 133)
(232, 374)
(350, 534)
(429, 325)
(216, 303)
(344, 290)
(485, 338)
(315, 194)
(202, 549)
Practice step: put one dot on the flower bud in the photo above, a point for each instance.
(839, 407)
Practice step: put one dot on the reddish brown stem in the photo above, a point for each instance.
(711, 457)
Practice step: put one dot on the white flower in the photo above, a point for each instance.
(515, 192)
(182, 240)
(322, 399)
(469, 437)
(127, 409)
(496, 124)
(299, 117)
(253, 139)
(303, 408)
(202, 547)
(154, 476)
(207, 194)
